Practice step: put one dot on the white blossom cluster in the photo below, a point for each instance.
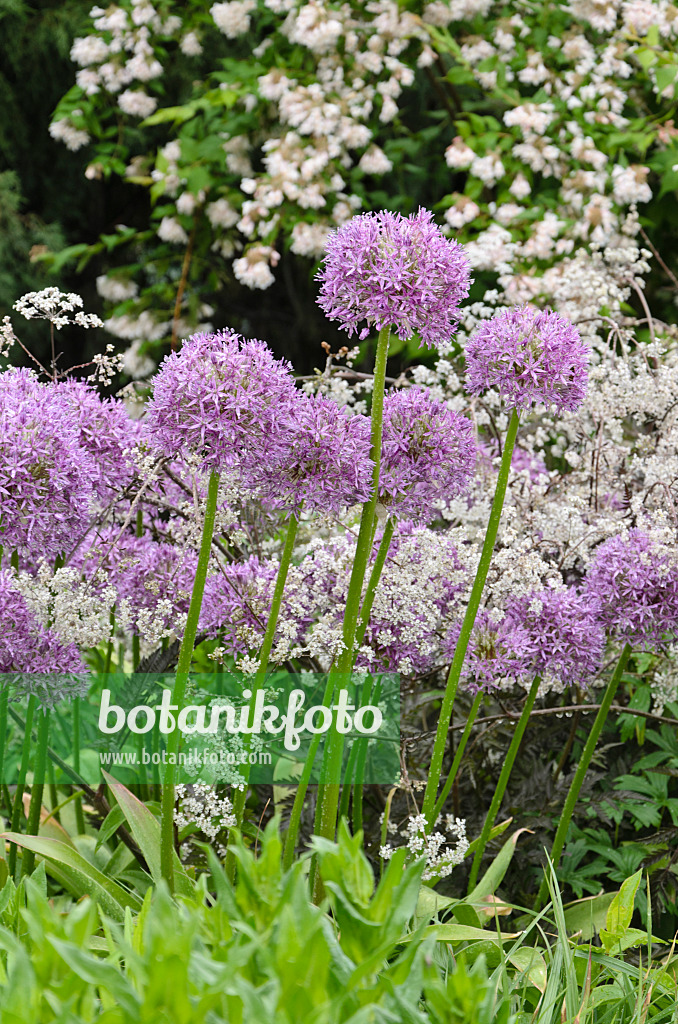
(442, 851)
(200, 808)
(57, 307)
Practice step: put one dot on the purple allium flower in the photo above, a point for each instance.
(107, 434)
(530, 356)
(46, 476)
(223, 398)
(566, 637)
(428, 452)
(389, 270)
(636, 585)
(25, 644)
(324, 463)
(496, 650)
(151, 577)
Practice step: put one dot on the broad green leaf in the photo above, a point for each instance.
(464, 933)
(494, 875)
(620, 911)
(587, 916)
(145, 828)
(78, 875)
(530, 961)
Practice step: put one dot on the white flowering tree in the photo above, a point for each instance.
(257, 127)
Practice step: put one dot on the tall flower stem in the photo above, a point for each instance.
(503, 781)
(37, 789)
(265, 653)
(4, 702)
(458, 754)
(373, 582)
(181, 680)
(436, 766)
(79, 815)
(17, 806)
(582, 767)
(328, 793)
(300, 795)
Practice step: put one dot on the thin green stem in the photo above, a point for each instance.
(79, 815)
(436, 766)
(373, 582)
(328, 794)
(582, 767)
(4, 701)
(181, 680)
(37, 789)
(265, 653)
(18, 806)
(503, 781)
(358, 785)
(458, 754)
(300, 795)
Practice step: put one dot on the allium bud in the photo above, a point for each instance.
(530, 356)
(384, 269)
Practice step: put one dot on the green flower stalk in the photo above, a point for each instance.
(504, 777)
(582, 767)
(181, 680)
(264, 654)
(37, 789)
(435, 770)
(328, 794)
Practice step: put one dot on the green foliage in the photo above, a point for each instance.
(259, 950)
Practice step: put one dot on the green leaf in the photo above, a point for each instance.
(78, 875)
(666, 76)
(530, 961)
(145, 828)
(464, 933)
(95, 971)
(587, 916)
(494, 875)
(620, 912)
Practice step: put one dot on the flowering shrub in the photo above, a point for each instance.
(257, 127)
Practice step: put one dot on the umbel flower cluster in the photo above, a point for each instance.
(101, 513)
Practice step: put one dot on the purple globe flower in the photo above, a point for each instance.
(223, 398)
(566, 637)
(428, 452)
(530, 356)
(497, 650)
(324, 463)
(47, 478)
(384, 269)
(636, 585)
(25, 644)
(107, 434)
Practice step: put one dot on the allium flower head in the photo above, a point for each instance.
(497, 650)
(107, 434)
(26, 646)
(530, 356)
(46, 476)
(428, 452)
(566, 637)
(221, 397)
(384, 269)
(324, 463)
(636, 584)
